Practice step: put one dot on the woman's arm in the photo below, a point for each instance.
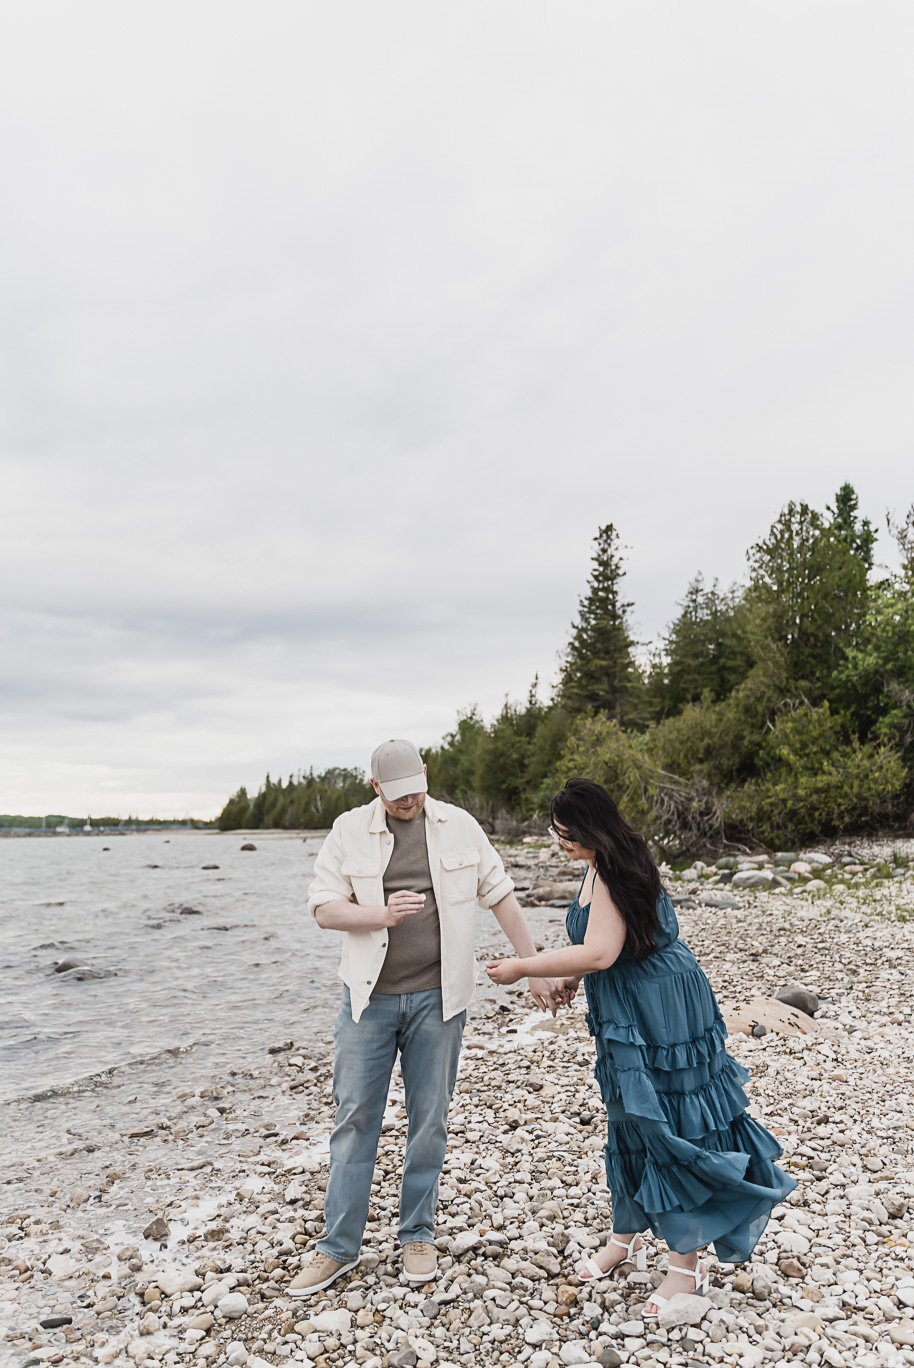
(603, 942)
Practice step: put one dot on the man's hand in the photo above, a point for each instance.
(402, 905)
(543, 992)
(565, 989)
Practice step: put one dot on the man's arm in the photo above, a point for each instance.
(340, 915)
(512, 921)
(331, 900)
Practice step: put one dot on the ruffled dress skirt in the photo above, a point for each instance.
(683, 1157)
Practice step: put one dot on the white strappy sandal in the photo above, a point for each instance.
(701, 1278)
(593, 1270)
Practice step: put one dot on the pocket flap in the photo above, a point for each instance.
(365, 869)
(460, 859)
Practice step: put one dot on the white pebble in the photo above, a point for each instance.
(233, 1305)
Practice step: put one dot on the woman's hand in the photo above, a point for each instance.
(565, 990)
(503, 971)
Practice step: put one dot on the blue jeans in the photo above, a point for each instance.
(366, 1052)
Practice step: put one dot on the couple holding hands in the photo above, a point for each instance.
(402, 878)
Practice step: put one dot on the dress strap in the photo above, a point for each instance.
(581, 889)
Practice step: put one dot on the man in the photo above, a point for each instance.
(401, 877)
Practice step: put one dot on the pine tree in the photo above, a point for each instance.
(706, 649)
(809, 588)
(858, 533)
(599, 670)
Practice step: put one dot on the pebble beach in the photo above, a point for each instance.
(171, 1241)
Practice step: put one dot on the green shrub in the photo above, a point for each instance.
(599, 749)
(816, 782)
(718, 743)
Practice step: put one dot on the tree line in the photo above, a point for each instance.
(779, 710)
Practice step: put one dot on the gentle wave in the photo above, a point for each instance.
(190, 972)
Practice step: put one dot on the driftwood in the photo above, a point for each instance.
(689, 818)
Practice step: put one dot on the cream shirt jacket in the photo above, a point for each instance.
(465, 870)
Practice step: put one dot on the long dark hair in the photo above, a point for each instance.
(624, 863)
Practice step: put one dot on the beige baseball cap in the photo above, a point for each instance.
(397, 767)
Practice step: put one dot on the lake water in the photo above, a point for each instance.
(182, 994)
(242, 964)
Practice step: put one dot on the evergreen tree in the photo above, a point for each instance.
(707, 651)
(235, 812)
(546, 747)
(504, 752)
(452, 765)
(876, 681)
(809, 590)
(858, 533)
(903, 533)
(599, 670)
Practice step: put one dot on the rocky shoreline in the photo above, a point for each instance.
(173, 1242)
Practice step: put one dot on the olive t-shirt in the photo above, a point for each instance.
(413, 960)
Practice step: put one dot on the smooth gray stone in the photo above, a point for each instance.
(795, 995)
(753, 878)
(71, 962)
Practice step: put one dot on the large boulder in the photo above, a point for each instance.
(759, 1016)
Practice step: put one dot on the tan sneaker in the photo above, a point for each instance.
(420, 1261)
(317, 1272)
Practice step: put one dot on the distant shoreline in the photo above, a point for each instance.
(140, 830)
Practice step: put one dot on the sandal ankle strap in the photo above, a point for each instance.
(697, 1274)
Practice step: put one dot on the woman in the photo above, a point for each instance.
(683, 1157)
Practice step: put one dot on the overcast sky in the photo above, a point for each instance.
(330, 333)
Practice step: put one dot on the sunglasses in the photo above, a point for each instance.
(568, 840)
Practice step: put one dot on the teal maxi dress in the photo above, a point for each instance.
(683, 1156)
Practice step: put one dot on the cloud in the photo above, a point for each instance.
(329, 335)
